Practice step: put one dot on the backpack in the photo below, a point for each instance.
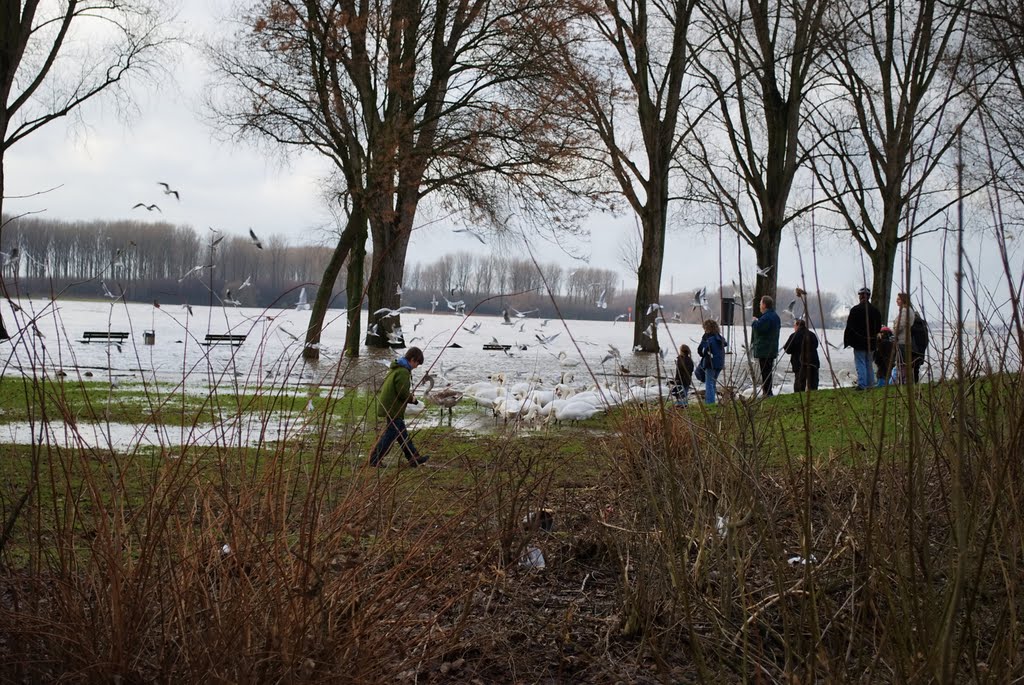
(919, 336)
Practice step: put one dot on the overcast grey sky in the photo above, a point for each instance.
(105, 165)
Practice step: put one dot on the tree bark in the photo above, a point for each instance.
(883, 264)
(648, 287)
(354, 294)
(766, 247)
(311, 350)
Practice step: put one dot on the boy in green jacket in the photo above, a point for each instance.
(395, 393)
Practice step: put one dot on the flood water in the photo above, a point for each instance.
(271, 352)
(49, 336)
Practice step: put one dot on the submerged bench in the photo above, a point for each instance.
(104, 336)
(230, 339)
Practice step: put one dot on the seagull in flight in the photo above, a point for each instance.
(395, 336)
(653, 307)
(763, 271)
(416, 325)
(398, 290)
(545, 340)
(254, 239)
(455, 306)
(169, 191)
(618, 318)
(246, 283)
(649, 331)
(107, 293)
(196, 269)
(10, 257)
(228, 300)
(602, 303)
(433, 304)
(148, 208)
(507, 321)
(789, 309)
(522, 315)
(472, 329)
(472, 233)
(393, 312)
(700, 299)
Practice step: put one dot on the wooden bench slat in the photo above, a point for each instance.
(214, 338)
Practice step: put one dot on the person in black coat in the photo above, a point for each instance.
(802, 347)
(862, 327)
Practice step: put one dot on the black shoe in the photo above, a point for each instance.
(419, 461)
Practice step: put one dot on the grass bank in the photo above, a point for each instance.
(833, 536)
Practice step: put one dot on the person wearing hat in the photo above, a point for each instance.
(862, 328)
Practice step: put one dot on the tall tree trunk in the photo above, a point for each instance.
(354, 294)
(648, 287)
(348, 237)
(390, 244)
(883, 264)
(766, 247)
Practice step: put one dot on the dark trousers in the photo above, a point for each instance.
(395, 430)
(805, 378)
(767, 365)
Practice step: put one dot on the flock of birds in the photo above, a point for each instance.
(530, 401)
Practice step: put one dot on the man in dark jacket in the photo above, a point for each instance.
(764, 341)
(862, 328)
(395, 393)
(802, 347)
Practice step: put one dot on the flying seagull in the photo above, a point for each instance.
(544, 340)
(472, 329)
(472, 233)
(246, 283)
(653, 307)
(195, 269)
(764, 271)
(148, 208)
(228, 300)
(254, 239)
(700, 299)
(602, 303)
(433, 304)
(393, 312)
(169, 191)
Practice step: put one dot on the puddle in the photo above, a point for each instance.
(247, 431)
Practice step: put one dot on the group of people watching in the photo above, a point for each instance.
(875, 348)
(882, 354)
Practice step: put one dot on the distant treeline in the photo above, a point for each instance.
(146, 261)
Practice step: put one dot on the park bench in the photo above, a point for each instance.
(218, 338)
(116, 337)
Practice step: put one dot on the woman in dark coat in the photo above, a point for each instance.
(802, 347)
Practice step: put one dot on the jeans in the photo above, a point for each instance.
(710, 377)
(395, 430)
(865, 368)
(767, 368)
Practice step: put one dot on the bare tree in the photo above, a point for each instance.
(626, 65)
(49, 69)
(884, 144)
(760, 66)
(406, 98)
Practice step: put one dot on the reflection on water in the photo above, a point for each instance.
(247, 431)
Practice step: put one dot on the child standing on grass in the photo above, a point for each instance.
(395, 394)
(684, 376)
